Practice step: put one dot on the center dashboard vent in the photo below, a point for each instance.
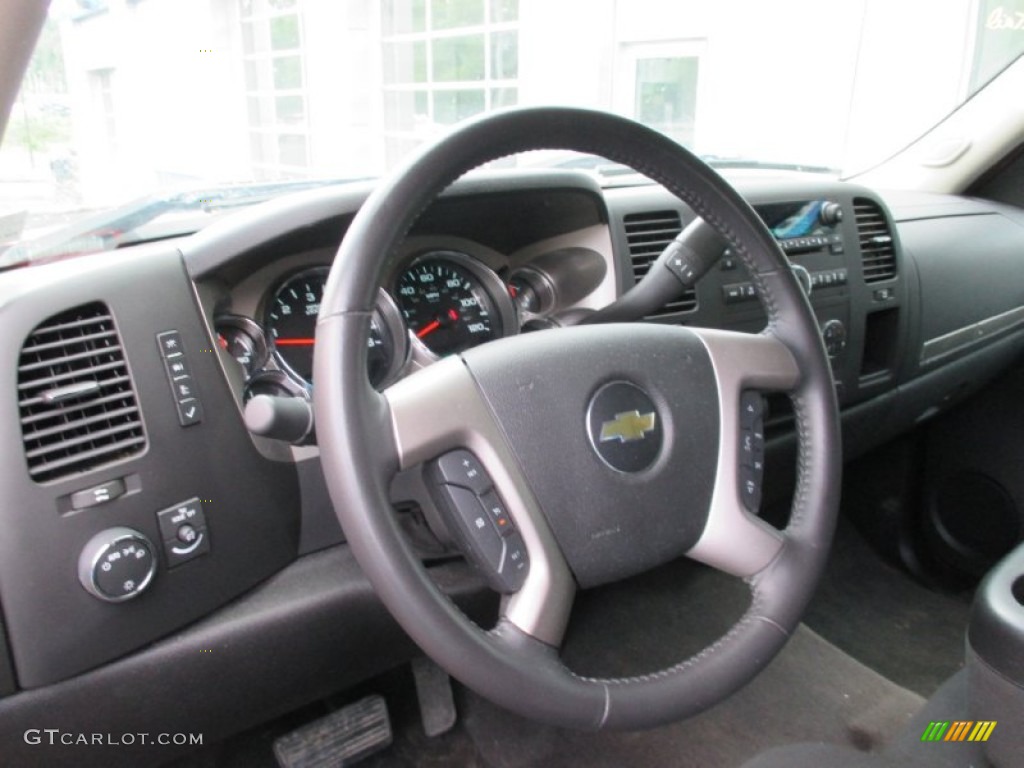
(76, 401)
(877, 250)
(647, 235)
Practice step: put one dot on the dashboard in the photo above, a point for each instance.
(128, 377)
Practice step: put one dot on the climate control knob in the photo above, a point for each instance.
(116, 565)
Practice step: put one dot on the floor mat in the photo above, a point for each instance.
(882, 617)
(811, 692)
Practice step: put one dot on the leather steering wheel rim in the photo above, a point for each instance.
(362, 445)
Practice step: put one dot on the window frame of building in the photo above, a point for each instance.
(630, 56)
(278, 148)
(421, 96)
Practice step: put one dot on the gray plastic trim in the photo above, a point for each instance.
(969, 335)
(440, 409)
(734, 540)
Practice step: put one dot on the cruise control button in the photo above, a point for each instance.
(752, 447)
(462, 468)
(515, 564)
(498, 513)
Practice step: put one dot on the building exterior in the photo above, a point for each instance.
(202, 90)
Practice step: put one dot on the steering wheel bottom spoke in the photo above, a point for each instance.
(441, 409)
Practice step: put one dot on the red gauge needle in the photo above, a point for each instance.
(294, 342)
(428, 328)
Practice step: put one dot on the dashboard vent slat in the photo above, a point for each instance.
(877, 250)
(647, 235)
(65, 431)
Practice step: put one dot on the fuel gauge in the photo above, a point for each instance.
(243, 339)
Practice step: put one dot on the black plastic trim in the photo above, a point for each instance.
(314, 629)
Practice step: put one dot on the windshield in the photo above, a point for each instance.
(177, 110)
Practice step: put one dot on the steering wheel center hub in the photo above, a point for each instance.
(626, 430)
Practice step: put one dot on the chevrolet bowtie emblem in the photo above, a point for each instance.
(627, 426)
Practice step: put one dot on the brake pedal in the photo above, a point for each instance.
(340, 739)
(434, 691)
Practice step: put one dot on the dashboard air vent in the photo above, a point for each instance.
(647, 235)
(878, 253)
(75, 397)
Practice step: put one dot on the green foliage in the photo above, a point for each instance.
(37, 133)
(46, 69)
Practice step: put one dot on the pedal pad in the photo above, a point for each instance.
(434, 691)
(340, 739)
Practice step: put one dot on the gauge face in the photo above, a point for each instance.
(291, 328)
(445, 304)
(291, 320)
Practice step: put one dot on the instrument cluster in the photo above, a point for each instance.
(439, 302)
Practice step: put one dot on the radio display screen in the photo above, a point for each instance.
(786, 220)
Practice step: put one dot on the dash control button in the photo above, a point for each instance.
(176, 367)
(184, 533)
(170, 343)
(189, 412)
(98, 494)
(183, 388)
(186, 513)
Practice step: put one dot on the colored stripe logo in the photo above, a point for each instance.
(959, 730)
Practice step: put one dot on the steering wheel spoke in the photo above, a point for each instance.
(734, 539)
(440, 409)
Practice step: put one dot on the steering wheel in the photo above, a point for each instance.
(604, 449)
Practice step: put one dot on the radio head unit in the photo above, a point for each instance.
(804, 226)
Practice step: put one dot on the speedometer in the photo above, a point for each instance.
(449, 302)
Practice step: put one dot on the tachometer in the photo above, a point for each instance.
(291, 321)
(450, 302)
(291, 329)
